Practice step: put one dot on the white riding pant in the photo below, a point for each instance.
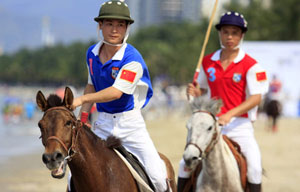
(241, 131)
(130, 127)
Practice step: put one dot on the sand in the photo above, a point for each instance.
(280, 155)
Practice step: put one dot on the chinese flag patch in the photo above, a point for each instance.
(128, 75)
(261, 76)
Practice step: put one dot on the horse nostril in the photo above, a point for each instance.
(46, 158)
(188, 162)
(195, 158)
(57, 156)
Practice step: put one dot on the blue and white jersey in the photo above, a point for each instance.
(127, 72)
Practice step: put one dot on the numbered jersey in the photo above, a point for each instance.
(243, 77)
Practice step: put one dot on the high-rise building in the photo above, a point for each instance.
(144, 12)
(47, 37)
(191, 10)
(171, 10)
(154, 12)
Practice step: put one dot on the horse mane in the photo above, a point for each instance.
(204, 103)
(113, 142)
(54, 101)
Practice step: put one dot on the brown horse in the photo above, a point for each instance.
(273, 110)
(94, 166)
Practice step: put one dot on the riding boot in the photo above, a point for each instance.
(254, 187)
(181, 183)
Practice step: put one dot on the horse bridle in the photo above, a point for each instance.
(213, 141)
(71, 151)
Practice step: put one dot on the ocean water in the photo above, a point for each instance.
(19, 138)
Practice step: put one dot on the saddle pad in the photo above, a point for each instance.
(240, 159)
(143, 187)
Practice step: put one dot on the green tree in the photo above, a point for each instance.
(171, 49)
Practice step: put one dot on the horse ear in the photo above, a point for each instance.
(68, 98)
(215, 106)
(41, 101)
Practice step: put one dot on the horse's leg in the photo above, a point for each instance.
(274, 125)
(170, 173)
(269, 123)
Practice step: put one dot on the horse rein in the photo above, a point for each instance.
(212, 142)
(71, 151)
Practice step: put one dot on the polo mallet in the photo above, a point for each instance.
(197, 71)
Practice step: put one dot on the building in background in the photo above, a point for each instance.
(155, 12)
(144, 13)
(47, 36)
(191, 10)
(171, 10)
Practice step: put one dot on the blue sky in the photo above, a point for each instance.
(70, 20)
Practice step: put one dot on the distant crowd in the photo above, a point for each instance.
(14, 110)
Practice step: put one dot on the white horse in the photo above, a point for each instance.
(220, 172)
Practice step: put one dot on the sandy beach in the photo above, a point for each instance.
(280, 155)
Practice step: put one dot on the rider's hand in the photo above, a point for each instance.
(76, 102)
(193, 90)
(224, 119)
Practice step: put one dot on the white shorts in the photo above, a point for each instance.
(130, 127)
(241, 131)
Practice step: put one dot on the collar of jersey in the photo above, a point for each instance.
(119, 54)
(217, 55)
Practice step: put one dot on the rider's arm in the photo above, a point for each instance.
(243, 108)
(86, 107)
(105, 95)
(125, 82)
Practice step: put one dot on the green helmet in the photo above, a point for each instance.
(114, 9)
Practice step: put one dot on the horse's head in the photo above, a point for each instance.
(56, 130)
(202, 130)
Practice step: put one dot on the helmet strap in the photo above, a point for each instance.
(101, 38)
(237, 47)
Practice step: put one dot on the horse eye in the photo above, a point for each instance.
(209, 128)
(68, 123)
